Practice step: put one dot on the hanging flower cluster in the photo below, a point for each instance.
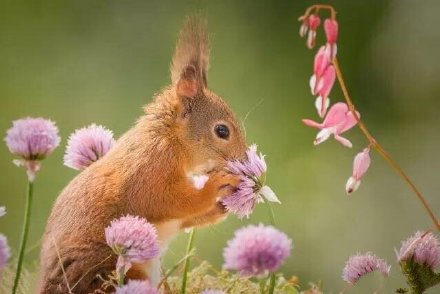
(339, 118)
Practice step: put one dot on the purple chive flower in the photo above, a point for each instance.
(133, 239)
(361, 264)
(137, 287)
(87, 145)
(32, 139)
(423, 248)
(213, 292)
(257, 250)
(2, 211)
(252, 189)
(4, 252)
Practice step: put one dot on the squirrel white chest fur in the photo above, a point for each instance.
(166, 231)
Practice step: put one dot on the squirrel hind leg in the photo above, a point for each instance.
(82, 270)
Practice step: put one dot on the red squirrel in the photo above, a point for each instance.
(186, 130)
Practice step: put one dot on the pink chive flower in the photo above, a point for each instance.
(423, 248)
(137, 287)
(257, 250)
(361, 264)
(313, 21)
(32, 139)
(361, 164)
(252, 189)
(338, 120)
(87, 145)
(133, 239)
(2, 211)
(5, 252)
(331, 33)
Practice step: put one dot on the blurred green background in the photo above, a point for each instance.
(79, 62)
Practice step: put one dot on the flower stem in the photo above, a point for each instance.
(386, 156)
(189, 247)
(272, 222)
(271, 214)
(24, 235)
(121, 276)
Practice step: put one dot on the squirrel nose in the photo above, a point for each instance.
(241, 154)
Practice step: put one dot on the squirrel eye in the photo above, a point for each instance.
(222, 131)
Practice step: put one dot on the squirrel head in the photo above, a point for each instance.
(207, 127)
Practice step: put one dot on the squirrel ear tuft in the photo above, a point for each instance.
(189, 68)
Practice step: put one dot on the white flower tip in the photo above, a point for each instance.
(322, 106)
(312, 84)
(18, 162)
(323, 135)
(345, 142)
(352, 185)
(269, 194)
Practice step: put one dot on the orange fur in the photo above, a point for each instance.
(147, 174)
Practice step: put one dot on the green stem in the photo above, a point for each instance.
(24, 235)
(272, 222)
(262, 286)
(271, 214)
(272, 283)
(121, 276)
(189, 247)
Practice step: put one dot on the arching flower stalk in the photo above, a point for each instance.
(321, 84)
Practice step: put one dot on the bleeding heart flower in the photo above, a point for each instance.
(323, 79)
(304, 26)
(360, 166)
(321, 63)
(331, 32)
(313, 22)
(338, 120)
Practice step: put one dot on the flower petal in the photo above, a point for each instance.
(336, 115)
(352, 185)
(322, 105)
(343, 141)
(268, 194)
(312, 84)
(331, 30)
(328, 80)
(349, 122)
(311, 123)
(323, 135)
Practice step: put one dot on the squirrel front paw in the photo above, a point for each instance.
(222, 184)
